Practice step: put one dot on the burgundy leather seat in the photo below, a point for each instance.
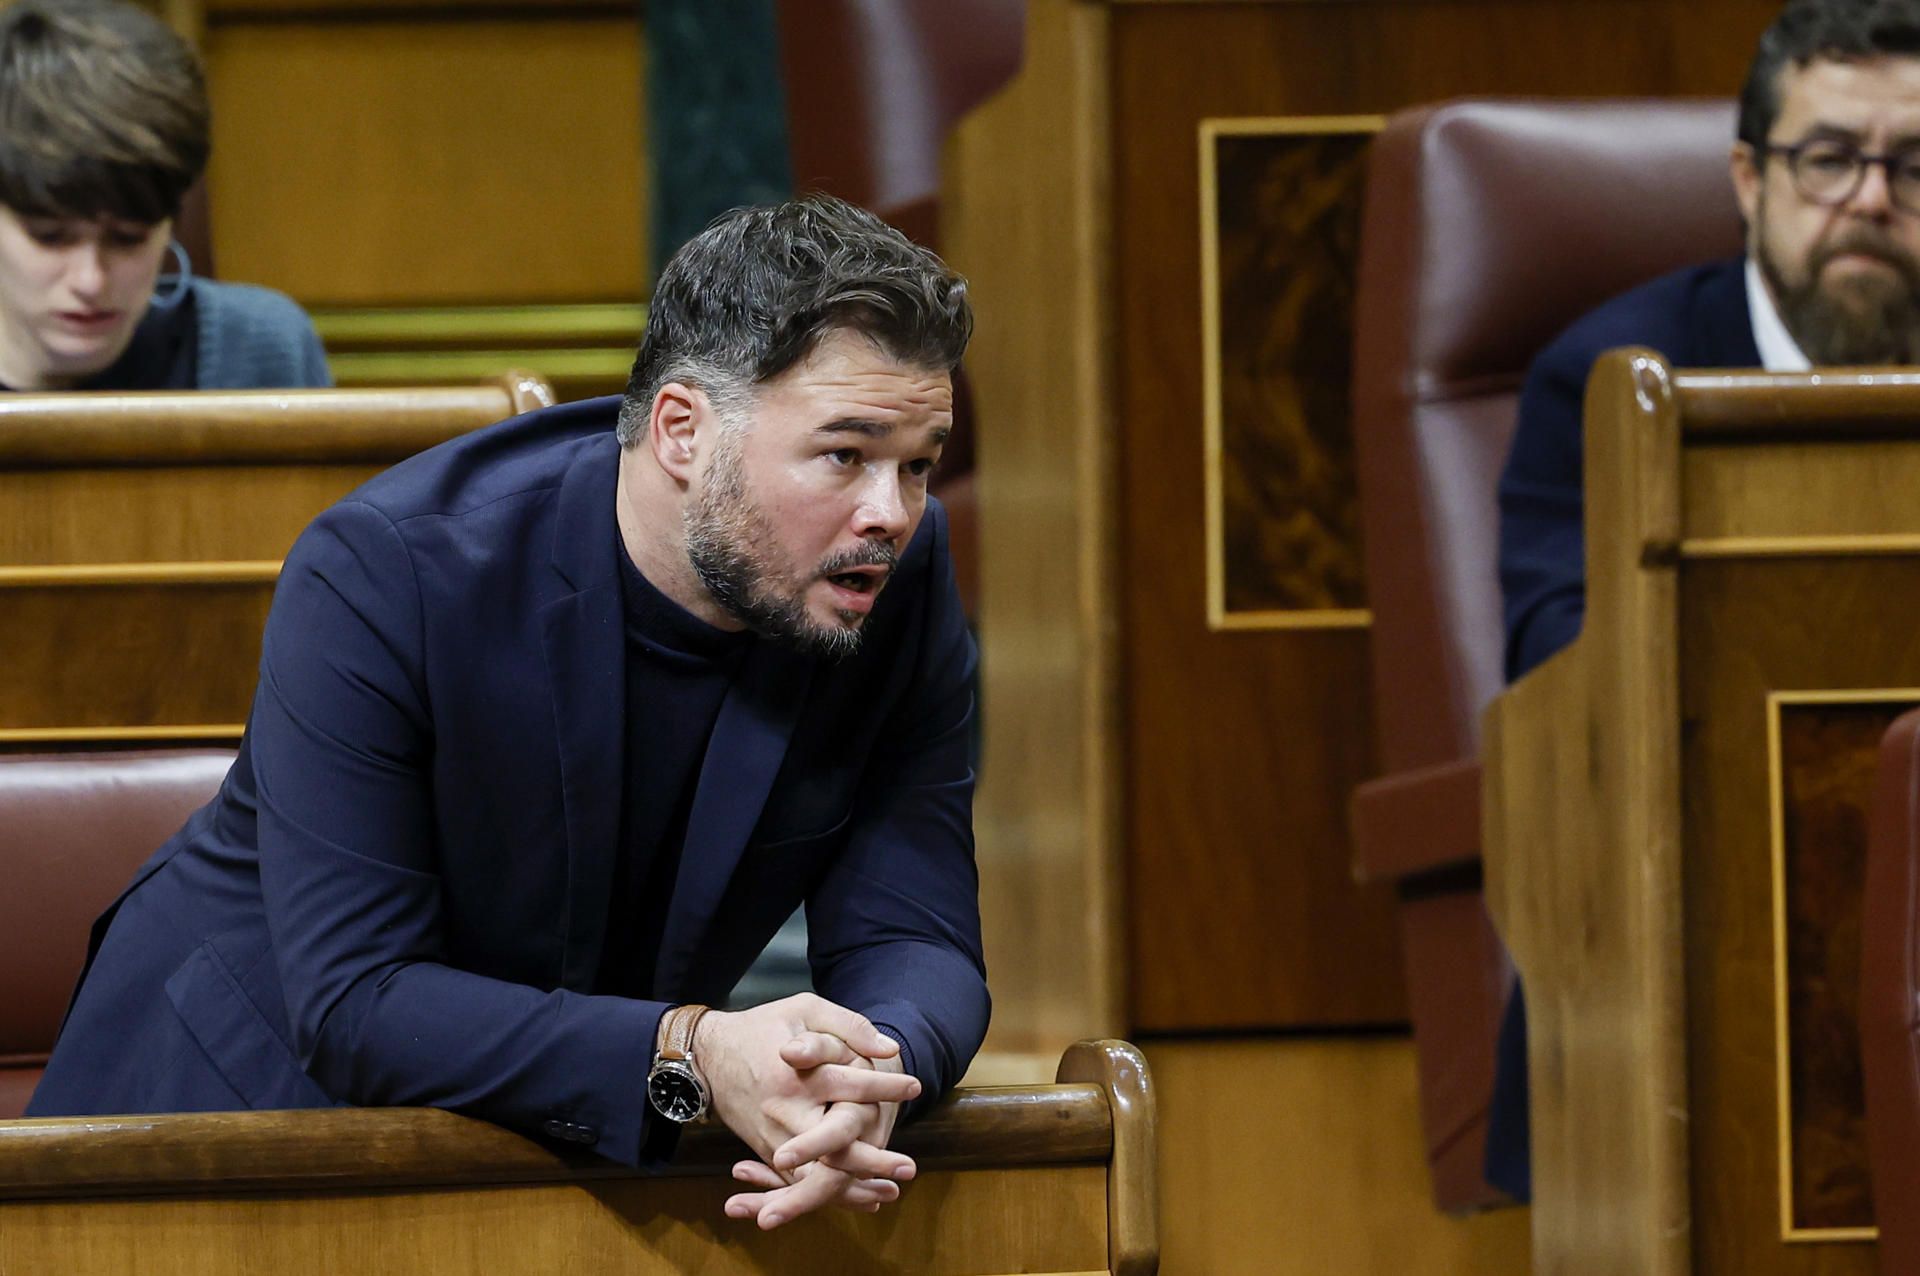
(1489, 227)
(73, 828)
(1890, 996)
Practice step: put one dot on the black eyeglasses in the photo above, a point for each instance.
(1829, 172)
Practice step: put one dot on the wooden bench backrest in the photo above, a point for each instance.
(1678, 804)
(144, 533)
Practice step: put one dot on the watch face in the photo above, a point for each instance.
(676, 1093)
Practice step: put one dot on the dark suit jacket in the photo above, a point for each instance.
(1697, 318)
(400, 894)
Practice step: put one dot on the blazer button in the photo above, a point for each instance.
(568, 1132)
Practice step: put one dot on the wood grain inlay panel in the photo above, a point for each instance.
(1751, 629)
(1287, 239)
(1828, 752)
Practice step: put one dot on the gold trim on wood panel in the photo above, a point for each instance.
(1319, 618)
(1776, 797)
(1218, 618)
(1278, 125)
(1831, 1235)
(1800, 546)
(1777, 836)
(592, 324)
(435, 344)
(95, 575)
(107, 735)
(1847, 695)
(415, 367)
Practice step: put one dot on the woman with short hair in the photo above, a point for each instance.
(103, 128)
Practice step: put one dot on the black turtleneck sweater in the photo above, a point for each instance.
(678, 671)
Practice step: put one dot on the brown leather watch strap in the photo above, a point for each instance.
(681, 1021)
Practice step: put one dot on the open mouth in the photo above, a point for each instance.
(862, 580)
(855, 589)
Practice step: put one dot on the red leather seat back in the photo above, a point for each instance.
(73, 828)
(1489, 227)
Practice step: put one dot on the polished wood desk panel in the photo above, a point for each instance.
(1675, 820)
(144, 533)
(209, 476)
(1038, 1179)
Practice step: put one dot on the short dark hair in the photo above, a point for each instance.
(754, 293)
(1807, 30)
(103, 112)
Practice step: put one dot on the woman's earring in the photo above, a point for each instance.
(174, 286)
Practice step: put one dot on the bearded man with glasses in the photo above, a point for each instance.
(1832, 217)
(1826, 169)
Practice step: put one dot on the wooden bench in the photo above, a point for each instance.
(144, 534)
(1044, 1179)
(1675, 820)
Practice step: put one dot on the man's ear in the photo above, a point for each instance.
(1743, 164)
(674, 427)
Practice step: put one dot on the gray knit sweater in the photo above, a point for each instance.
(251, 337)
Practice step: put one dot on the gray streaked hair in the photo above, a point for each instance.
(753, 294)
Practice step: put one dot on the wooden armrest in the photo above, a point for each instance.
(1119, 1071)
(1031, 1178)
(248, 427)
(1416, 821)
(333, 1148)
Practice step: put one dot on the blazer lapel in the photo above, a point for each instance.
(585, 639)
(743, 757)
(1723, 330)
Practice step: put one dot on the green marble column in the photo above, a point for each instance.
(717, 113)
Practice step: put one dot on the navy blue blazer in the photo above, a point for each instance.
(1697, 318)
(400, 894)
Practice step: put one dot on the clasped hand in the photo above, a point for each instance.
(814, 1090)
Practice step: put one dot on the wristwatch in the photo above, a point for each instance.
(675, 1087)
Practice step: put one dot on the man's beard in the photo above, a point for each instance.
(1868, 320)
(729, 539)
